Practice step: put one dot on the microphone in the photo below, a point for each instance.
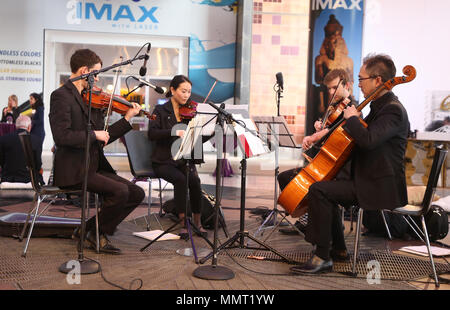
(143, 69)
(159, 90)
(279, 77)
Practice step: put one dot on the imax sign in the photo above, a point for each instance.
(108, 12)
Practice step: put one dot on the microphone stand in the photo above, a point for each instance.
(88, 266)
(215, 272)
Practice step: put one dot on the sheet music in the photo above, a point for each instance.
(275, 125)
(249, 142)
(193, 131)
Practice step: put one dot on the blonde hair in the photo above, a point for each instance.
(15, 99)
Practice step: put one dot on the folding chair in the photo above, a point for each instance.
(139, 150)
(412, 210)
(41, 192)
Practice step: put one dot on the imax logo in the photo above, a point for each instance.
(336, 4)
(108, 12)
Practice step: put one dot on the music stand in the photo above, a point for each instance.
(187, 147)
(249, 147)
(277, 130)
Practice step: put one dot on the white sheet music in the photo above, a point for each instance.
(191, 135)
(249, 142)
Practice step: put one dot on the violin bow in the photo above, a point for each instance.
(210, 91)
(116, 78)
(327, 114)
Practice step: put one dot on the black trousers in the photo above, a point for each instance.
(177, 176)
(324, 227)
(120, 198)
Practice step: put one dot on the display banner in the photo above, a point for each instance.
(335, 43)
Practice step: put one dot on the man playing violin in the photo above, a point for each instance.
(377, 179)
(68, 120)
(338, 85)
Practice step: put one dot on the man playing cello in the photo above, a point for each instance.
(377, 178)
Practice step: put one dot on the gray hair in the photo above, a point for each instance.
(23, 122)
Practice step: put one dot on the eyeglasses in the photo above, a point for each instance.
(366, 78)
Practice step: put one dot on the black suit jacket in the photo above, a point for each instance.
(68, 120)
(12, 158)
(378, 159)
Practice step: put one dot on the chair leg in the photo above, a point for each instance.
(386, 225)
(414, 227)
(24, 254)
(424, 226)
(358, 233)
(351, 218)
(97, 234)
(160, 199)
(32, 208)
(149, 202)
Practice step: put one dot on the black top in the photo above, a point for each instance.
(378, 157)
(68, 120)
(161, 130)
(15, 113)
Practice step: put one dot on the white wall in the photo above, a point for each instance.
(413, 33)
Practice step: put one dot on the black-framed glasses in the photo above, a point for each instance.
(367, 78)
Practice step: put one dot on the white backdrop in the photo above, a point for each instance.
(413, 33)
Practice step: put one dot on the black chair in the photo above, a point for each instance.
(412, 210)
(139, 150)
(41, 192)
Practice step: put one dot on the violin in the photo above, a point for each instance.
(188, 110)
(101, 99)
(334, 111)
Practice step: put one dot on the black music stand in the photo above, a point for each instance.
(242, 233)
(278, 135)
(185, 152)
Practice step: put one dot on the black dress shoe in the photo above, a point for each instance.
(339, 255)
(184, 235)
(314, 265)
(105, 246)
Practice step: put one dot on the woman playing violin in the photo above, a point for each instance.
(170, 120)
(68, 120)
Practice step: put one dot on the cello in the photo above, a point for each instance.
(332, 155)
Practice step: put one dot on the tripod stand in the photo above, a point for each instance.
(184, 154)
(241, 234)
(272, 217)
(273, 126)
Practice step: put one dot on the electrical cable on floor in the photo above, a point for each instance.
(344, 275)
(113, 284)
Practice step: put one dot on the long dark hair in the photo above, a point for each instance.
(175, 83)
(38, 98)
